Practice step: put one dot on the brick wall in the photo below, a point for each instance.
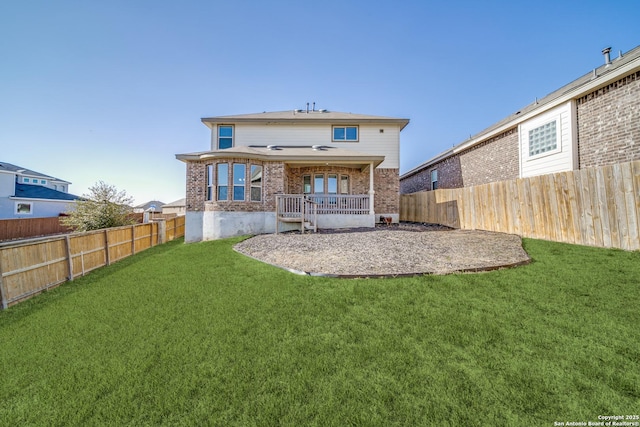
(493, 160)
(386, 184)
(609, 123)
(281, 179)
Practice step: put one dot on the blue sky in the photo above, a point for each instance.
(112, 90)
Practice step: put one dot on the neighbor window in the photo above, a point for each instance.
(23, 208)
(25, 180)
(239, 170)
(543, 139)
(42, 181)
(345, 133)
(256, 183)
(225, 136)
(209, 182)
(434, 179)
(223, 181)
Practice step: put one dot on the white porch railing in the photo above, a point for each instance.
(306, 208)
(341, 204)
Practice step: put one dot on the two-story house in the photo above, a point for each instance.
(28, 194)
(269, 172)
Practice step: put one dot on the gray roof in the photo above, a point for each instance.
(289, 116)
(597, 78)
(158, 205)
(8, 167)
(176, 203)
(27, 191)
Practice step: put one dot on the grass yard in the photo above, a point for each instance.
(200, 335)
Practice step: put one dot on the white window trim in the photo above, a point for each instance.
(233, 136)
(536, 124)
(23, 213)
(345, 133)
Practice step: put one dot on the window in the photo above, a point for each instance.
(223, 180)
(434, 179)
(345, 133)
(306, 184)
(209, 182)
(43, 182)
(256, 183)
(332, 184)
(225, 136)
(543, 139)
(23, 208)
(318, 184)
(344, 184)
(239, 170)
(25, 179)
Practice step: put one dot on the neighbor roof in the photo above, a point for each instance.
(594, 80)
(27, 191)
(313, 116)
(8, 167)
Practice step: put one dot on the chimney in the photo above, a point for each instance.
(605, 52)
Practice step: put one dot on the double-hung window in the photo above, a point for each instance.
(223, 180)
(239, 170)
(256, 183)
(225, 136)
(434, 179)
(209, 182)
(345, 133)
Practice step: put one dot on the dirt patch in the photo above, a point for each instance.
(397, 250)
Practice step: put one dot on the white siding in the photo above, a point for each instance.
(370, 139)
(564, 158)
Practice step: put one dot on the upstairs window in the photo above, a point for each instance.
(543, 139)
(434, 179)
(345, 133)
(225, 136)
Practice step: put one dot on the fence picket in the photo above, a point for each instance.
(594, 206)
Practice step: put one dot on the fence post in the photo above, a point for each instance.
(133, 240)
(106, 244)
(3, 291)
(162, 231)
(69, 259)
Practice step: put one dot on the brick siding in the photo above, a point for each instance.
(280, 179)
(493, 160)
(609, 123)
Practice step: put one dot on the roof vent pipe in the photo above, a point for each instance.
(307, 107)
(605, 52)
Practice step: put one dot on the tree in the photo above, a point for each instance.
(103, 207)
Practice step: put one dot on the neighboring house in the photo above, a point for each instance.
(304, 168)
(28, 194)
(177, 207)
(150, 206)
(592, 121)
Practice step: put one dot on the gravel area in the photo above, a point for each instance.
(397, 250)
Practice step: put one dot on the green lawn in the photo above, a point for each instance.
(200, 335)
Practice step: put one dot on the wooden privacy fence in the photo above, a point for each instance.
(594, 206)
(28, 267)
(29, 227)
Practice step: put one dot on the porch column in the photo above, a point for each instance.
(371, 191)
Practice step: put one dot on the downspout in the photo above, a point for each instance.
(371, 191)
